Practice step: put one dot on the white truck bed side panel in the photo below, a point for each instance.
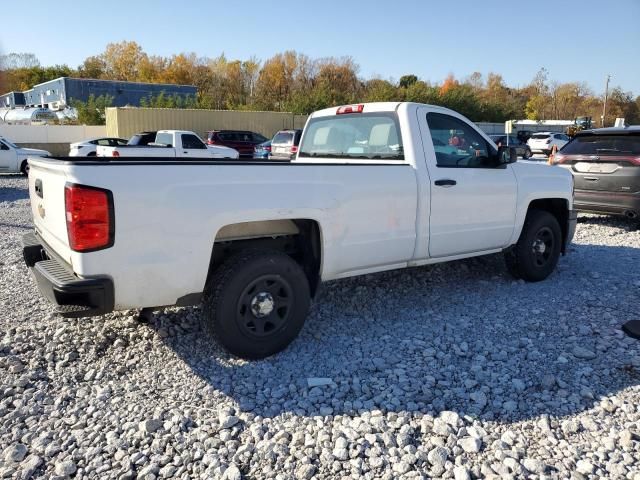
(167, 217)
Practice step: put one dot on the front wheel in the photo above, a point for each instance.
(24, 168)
(527, 154)
(256, 303)
(536, 254)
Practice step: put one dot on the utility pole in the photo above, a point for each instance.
(606, 94)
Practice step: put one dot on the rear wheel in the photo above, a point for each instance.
(256, 303)
(536, 254)
(527, 153)
(24, 168)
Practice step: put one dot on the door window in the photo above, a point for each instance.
(458, 145)
(3, 146)
(191, 141)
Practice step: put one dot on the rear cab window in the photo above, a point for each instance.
(368, 136)
(540, 136)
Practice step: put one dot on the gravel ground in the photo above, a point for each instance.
(452, 371)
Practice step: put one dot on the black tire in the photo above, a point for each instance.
(536, 254)
(527, 153)
(24, 168)
(546, 152)
(255, 303)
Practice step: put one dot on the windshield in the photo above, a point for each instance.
(604, 145)
(359, 136)
(10, 144)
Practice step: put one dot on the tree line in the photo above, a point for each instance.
(293, 82)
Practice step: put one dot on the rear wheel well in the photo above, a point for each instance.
(304, 247)
(559, 208)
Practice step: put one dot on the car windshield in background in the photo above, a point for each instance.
(10, 144)
(604, 145)
(358, 136)
(540, 136)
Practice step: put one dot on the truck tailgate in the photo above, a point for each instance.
(46, 191)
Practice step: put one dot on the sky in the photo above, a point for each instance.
(574, 40)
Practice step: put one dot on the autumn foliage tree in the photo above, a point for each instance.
(292, 81)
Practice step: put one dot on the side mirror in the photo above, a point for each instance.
(507, 154)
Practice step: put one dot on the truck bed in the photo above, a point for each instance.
(167, 218)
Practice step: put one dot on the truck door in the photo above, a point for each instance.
(8, 158)
(192, 147)
(473, 196)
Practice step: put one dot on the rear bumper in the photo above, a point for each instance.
(73, 296)
(615, 203)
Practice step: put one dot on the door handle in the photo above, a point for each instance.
(591, 179)
(445, 182)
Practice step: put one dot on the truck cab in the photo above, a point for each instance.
(171, 143)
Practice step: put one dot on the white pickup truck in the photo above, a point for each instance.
(13, 159)
(374, 187)
(172, 144)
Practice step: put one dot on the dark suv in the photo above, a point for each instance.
(522, 149)
(605, 164)
(240, 140)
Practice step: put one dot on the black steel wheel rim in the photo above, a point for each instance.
(542, 247)
(265, 305)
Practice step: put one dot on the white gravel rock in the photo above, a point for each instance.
(65, 468)
(470, 444)
(15, 453)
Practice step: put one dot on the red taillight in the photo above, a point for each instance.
(268, 149)
(209, 142)
(350, 109)
(89, 213)
(115, 153)
(293, 149)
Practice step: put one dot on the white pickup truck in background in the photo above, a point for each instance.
(171, 143)
(374, 187)
(13, 159)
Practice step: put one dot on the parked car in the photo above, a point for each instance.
(88, 147)
(240, 140)
(171, 143)
(13, 159)
(252, 242)
(284, 144)
(605, 164)
(142, 138)
(543, 142)
(524, 135)
(262, 150)
(522, 149)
